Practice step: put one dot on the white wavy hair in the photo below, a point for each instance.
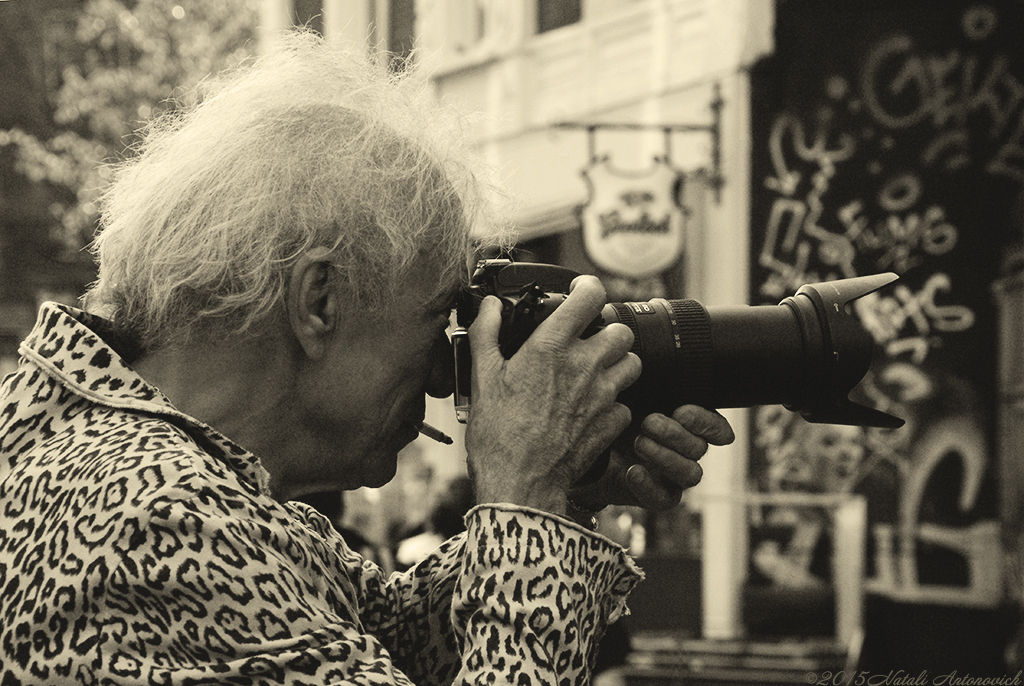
(309, 146)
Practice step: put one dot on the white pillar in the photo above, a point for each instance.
(350, 20)
(742, 31)
(851, 519)
(724, 281)
(275, 19)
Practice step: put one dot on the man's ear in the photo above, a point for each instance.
(313, 302)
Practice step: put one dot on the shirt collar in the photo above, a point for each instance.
(66, 344)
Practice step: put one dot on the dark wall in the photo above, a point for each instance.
(889, 137)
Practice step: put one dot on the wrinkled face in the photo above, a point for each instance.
(372, 383)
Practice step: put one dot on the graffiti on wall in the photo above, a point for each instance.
(901, 158)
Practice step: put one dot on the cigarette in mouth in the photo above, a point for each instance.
(436, 434)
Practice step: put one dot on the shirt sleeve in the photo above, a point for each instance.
(521, 597)
(534, 597)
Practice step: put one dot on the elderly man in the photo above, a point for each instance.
(277, 268)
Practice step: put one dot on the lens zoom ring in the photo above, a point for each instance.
(692, 330)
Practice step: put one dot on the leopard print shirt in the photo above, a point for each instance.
(140, 546)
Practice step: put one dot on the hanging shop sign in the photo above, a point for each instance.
(633, 225)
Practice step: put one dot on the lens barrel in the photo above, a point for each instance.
(718, 357)
(806, 353)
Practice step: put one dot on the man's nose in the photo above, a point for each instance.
(441, 380)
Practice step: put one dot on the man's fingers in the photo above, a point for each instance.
(483, 334)
(623, 372)
(665, 461)
(603, 429)
(657, 430)
(654, 493)
(575, 314)
(662, 441)
(708, 424)
(610, 344)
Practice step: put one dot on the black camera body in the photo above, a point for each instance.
(807, 353)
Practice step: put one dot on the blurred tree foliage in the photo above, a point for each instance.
(128, 62)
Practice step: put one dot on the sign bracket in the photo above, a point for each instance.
(713, 129)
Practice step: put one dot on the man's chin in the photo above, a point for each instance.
(384, 468)
(380, 465)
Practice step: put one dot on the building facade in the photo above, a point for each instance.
(634, 89)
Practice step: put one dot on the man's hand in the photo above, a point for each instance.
(653, 468)
(541, 418)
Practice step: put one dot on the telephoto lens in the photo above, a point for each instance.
(806, 353)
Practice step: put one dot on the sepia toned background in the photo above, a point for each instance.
(727, 151)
